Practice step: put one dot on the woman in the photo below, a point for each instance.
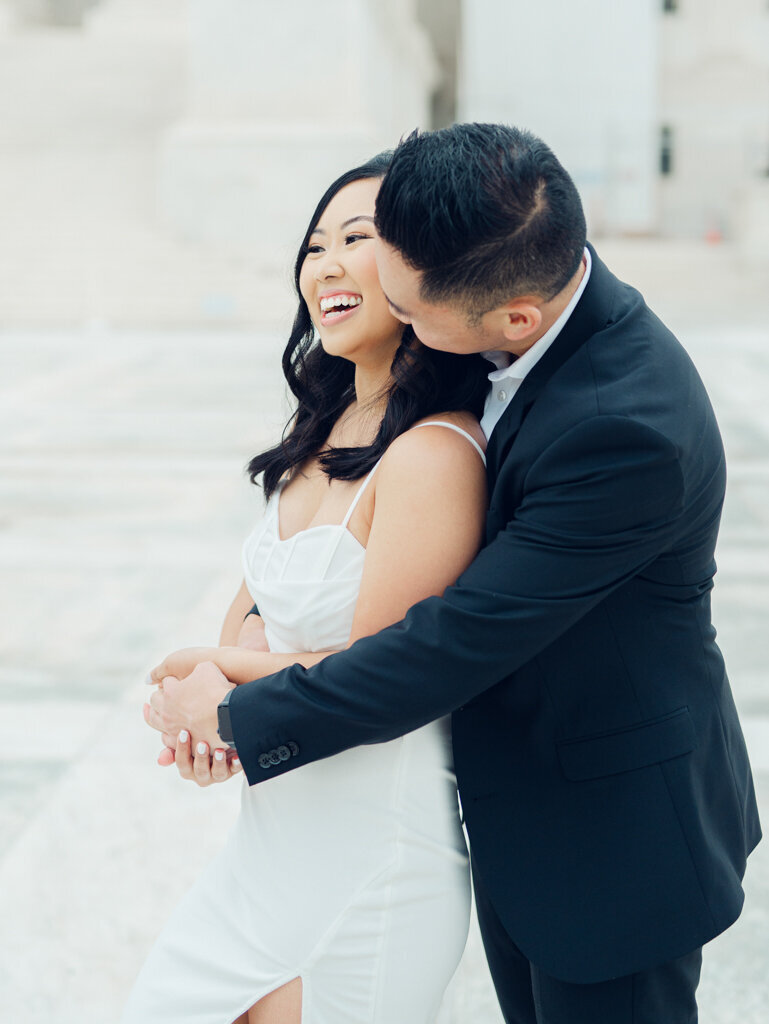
(343, 892)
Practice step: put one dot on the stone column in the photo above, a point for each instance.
(441, 19)
(282, 98)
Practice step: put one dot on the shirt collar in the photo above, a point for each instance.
(507, 367)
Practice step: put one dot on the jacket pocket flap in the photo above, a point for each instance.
(625, 749)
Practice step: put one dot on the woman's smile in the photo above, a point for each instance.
(336, 306)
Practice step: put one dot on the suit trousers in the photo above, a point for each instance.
(661, 995)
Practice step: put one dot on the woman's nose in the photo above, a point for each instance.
(328, 267)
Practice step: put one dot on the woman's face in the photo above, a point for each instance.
(340, 284)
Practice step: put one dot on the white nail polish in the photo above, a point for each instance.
(219, 755)
(236, 762)
(183, 736)
(201, 748)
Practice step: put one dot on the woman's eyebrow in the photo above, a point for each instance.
(352, 220)
(345, 224)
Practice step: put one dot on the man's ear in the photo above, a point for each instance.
(519, 320)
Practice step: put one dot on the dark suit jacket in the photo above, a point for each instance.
(600, 761)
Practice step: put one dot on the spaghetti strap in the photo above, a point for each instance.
(359, 494)
(459, 430)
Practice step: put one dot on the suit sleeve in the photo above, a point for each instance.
(600, 503)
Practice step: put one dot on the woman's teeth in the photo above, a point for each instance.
(339, 303)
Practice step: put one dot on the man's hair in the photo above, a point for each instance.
(485, 212)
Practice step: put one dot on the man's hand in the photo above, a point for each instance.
(189, 704)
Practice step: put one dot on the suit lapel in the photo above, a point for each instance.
(590, 315)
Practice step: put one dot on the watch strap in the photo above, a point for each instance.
(223, 716)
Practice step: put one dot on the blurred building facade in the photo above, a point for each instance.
(713, 118)
(660, 108)
(159, 158)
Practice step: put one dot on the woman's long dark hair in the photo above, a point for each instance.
(424, 382)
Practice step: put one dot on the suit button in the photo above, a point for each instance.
(274, 757)
(293, 747)
(264, 761)
(283, 752)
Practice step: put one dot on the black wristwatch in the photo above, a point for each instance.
(225, 726)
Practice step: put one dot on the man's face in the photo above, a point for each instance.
(440, 327)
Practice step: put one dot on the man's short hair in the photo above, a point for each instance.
(485, 212)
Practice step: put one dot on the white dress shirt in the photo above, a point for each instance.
(509, 373)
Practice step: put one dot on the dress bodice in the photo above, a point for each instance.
(305, 586)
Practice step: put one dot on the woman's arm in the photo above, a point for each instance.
(233, 620)
(240, 628)
(429, 512)
(239, 664)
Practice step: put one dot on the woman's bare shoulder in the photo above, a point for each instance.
(424, 456)
(464, 420)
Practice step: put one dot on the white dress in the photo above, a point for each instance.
(350, 873)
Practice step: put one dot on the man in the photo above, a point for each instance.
(600, 762)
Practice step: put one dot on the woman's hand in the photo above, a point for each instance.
(181, 663)
(190, 704)
(200, 767)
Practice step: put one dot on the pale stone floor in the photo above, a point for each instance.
(122, 508)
